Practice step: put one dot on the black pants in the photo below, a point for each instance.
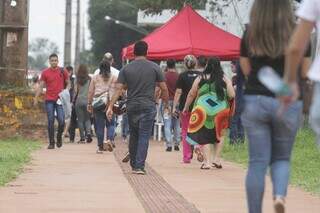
(73, 124)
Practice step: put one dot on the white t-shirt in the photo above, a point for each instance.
(310, 11)
(114, 71)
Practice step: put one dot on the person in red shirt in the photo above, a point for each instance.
(55, 79)
(171, 120)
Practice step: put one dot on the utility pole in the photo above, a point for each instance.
(83, 48)
(77, 51)
(14, 20)
(67, 33)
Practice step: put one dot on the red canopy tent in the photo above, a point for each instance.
(188, 33)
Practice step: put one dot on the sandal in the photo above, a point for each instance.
(218, 166)
(199, 154)
(203, 166)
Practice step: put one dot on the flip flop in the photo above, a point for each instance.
(204, 167)
(218, 166)
(199, 154)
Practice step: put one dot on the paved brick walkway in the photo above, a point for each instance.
(155, 194)
(73, 179)
(76, 180)
(219, 191)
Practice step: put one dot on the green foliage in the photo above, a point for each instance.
(305, 166)
(39, 51)
(15, 153)
(306, 162)
(156, 6)
(87, 57)
(107, 36)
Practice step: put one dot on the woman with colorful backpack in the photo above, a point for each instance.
(210, 115)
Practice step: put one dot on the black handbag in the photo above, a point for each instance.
(119, 107)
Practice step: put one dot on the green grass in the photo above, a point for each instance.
(305, 167)
(14, 154)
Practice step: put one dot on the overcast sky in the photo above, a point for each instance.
(47, 17)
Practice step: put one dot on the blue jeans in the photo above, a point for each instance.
(236, 129)
(51, 108)
(140, 122)
(124, 126)
(314, 112)
(171, 124)
(84, 122)
(102, 122)
(271, 138)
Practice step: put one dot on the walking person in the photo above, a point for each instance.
(309, 13)
(139, 78)
(81, 102)
(184, 84)
(170, 115)
(270, 136)
(111, 130)
(202, 63)
(236, 135)
(71, 88)
(100, 90)
(56, 80)
(124, 122)
(210, 92)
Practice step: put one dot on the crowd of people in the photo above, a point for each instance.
(200, 103)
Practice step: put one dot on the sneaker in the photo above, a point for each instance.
(169, 149)
(82, 140)
(126, 158)
(145, 172)
(51, 146)
(99, 150)
(113, 144)
(89, 138)
(176, 148)
(138, 171)
(279, 205)
(59, 142)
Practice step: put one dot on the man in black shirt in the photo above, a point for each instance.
(183, 87)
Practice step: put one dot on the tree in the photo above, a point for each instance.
(87, 57)
(156, 6)
(39, 51)
(107, 36)
(217, 7)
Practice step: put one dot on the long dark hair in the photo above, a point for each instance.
(105, 70)
(82, 74)
(216, 73)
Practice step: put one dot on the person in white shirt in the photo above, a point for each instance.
(108, 57)
(309, 14)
